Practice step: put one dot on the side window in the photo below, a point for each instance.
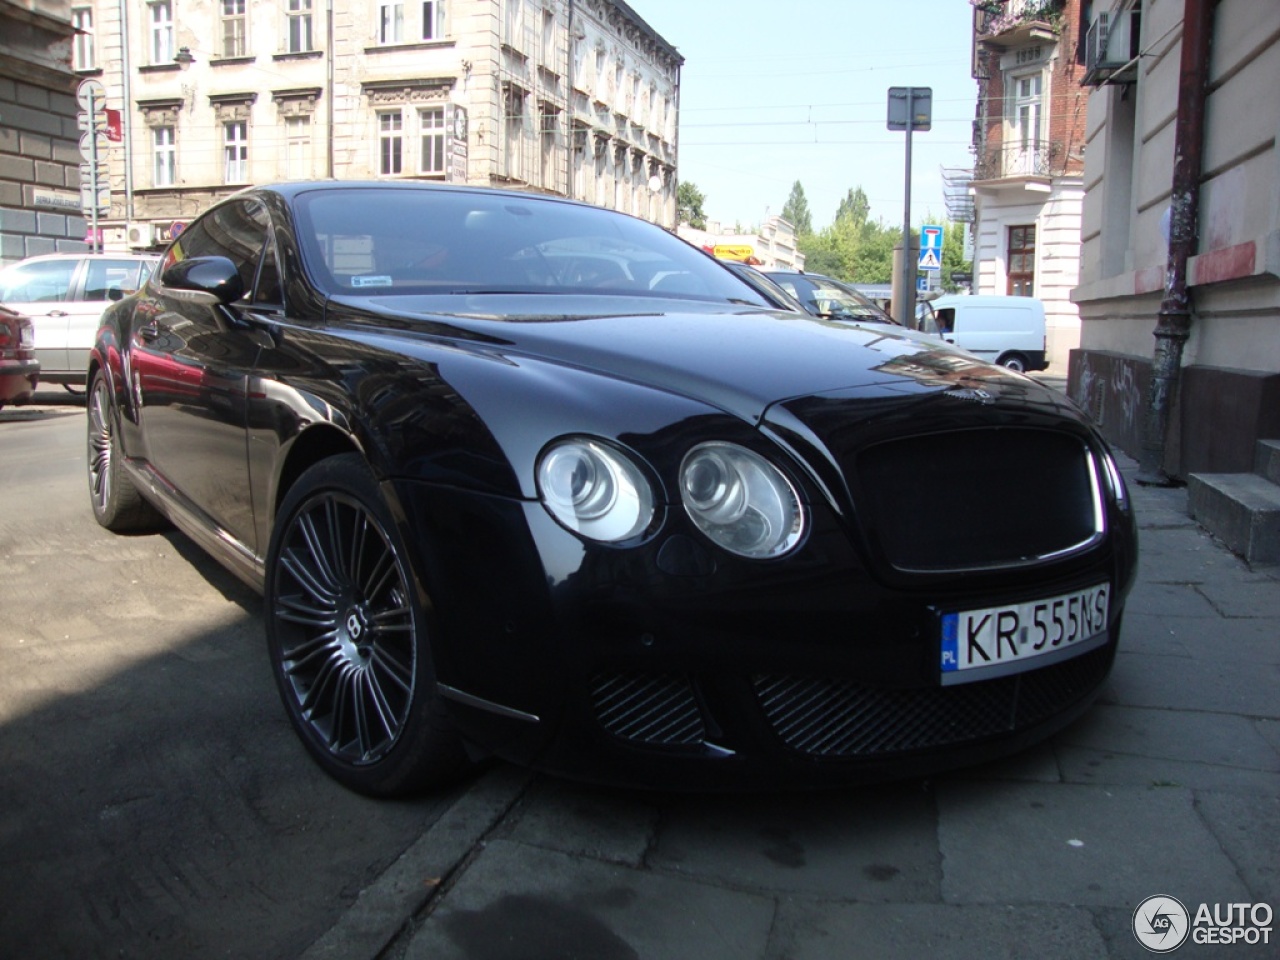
(237, 231)
(947, 319)
(269, 290)
(110, 279)
(45, 281)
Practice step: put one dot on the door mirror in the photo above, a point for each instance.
(215, 277)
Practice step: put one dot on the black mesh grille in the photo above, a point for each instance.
(976, 498)
(839, 718)
(648, 708)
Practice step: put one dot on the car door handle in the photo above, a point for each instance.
(57, 313)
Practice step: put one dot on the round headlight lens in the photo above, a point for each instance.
(740, 500)
(594, 490)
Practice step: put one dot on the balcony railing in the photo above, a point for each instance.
(1030, 158)
(1011, 19)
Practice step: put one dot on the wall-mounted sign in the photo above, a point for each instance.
(64, 200)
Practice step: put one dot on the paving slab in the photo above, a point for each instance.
(875, 843)
(915, 931)
(1248, 640)
(1248, 828)
(585, 821)
(1207, 738)
(1068, 844)
(1185, 683)
(1175, 599)
(517, 902)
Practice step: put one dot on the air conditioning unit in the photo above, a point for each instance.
(1111, 48)
(140, 235)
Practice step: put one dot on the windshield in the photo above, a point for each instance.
(824, 297)
(398, 242)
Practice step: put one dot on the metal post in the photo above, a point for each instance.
(568, 106)
(907, 312)
(95, 244)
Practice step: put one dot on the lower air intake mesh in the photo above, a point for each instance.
(839, 718)
(648, 708)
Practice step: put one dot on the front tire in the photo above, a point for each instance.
(349, 639)
(1014, 361)
(117, 504)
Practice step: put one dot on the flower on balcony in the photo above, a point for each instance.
(1002, 15)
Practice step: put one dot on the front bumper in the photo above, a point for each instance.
(672, 666)
(18, 380)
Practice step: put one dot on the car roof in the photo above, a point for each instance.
(134, 255)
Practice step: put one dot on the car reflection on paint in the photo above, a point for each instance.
(644, 524)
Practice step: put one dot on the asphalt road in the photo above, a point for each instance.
(154, 801)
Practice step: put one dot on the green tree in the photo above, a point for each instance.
(796, 211)
(855, 207)
(689, 204)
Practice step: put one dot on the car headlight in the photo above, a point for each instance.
(740, 500)
(595, 490)
(1115, 481)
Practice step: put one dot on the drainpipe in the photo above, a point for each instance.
(329, 82)
(126, 111)
(568, 107)
(1174, 325)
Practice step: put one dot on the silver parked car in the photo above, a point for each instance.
(64, 294)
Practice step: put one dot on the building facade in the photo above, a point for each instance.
(1026, 189)
(1182, 234)
(39, 155)
(772, 246)
(569, 97)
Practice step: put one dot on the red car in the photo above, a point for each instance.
(19, 368)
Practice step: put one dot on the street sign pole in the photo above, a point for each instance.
(908, 315)
(92, 96)
(96, 245)
(909, 108)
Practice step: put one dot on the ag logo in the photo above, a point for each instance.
(1161, 924)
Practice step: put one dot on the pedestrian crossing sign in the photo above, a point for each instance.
(929, 259)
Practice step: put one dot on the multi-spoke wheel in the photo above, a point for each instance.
(117, 504)
(348, 637)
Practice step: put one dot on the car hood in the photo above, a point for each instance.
(739, 359)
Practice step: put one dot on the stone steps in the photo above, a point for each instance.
(1242, 509)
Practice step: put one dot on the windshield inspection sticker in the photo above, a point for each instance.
(378, 281)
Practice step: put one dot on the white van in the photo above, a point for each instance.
(1004, 330)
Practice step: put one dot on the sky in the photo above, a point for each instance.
(775, 91)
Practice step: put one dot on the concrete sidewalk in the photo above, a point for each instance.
(1169, 786)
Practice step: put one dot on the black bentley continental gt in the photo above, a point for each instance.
(521, 477)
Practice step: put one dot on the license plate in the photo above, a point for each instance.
(995, 641)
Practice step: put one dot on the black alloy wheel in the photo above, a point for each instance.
(117, 504)
(348, 637)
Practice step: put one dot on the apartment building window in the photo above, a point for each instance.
(1022, 261)
(431, 123)
(297, 152)
(1028, 106)
(390, 143)
(82, 53)
(299, 17)
(432, 19)
(234, 23)
(235, 151)
(160, 18)
(391, 21)
(164, 157)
